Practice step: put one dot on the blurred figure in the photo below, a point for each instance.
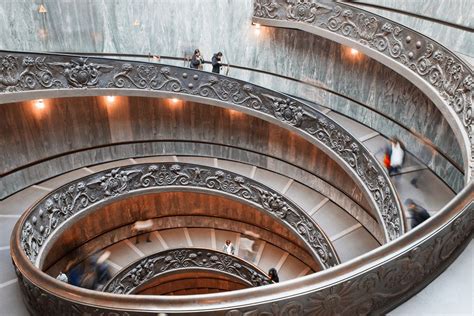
(418, 214)
(273, 274)
(102, 271)
(62, 277)
(141, 227)
(217, 62)
(397, 154)
(229, 248)
(76, 274)
(197, 61)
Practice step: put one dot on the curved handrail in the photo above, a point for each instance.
(28, 75)
(140, 272)
(53, 213)
(375, 282)
(445, 78)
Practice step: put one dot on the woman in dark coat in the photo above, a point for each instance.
(196, 61)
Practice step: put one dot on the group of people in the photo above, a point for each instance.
(197, 61)
(394, 157)
(91, 274)
(230, 250)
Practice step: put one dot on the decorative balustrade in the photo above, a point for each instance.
(51, 214)
(137, 274)
(25, 75)
(371, 284)
(441, 74)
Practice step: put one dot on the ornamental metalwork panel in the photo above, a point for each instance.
(26, 72)
(173, 260)
(61, 204)
(438, 67)
(378, 289)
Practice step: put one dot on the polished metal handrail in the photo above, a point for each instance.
(28, 75)
(445, 78)
(139, 273)
(373, 283)
(55, 212)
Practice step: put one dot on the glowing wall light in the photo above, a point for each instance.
(39, 104)
(42, 9)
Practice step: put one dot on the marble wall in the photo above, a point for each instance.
(176, 27)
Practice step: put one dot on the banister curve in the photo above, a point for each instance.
(42, 223)
(29, 75)
(143, 270)
(444, 77)
(373, 283)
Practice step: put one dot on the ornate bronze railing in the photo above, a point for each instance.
(27, 75)
(373, 283)
(142, 271)
(445, 78)
(53, 213)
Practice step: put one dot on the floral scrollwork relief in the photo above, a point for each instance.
(63, 203)
(139, 273)
(25, 75)
(80, 73)
(265, 8)
(305, 10)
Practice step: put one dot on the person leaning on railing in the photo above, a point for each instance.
(197, 61)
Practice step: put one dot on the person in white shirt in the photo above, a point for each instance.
(229, 248)
(396, 157)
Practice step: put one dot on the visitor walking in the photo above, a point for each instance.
(418, 213)
(142, 227)
(397, 154)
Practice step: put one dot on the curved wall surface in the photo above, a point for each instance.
(115, 26)
(72, 124)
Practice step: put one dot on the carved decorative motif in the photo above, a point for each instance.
(139, 273)
(31, 73)
(264, 8)
(70, 72)
(80, 73)
(437, 66)
(58, 206)
(305, 10)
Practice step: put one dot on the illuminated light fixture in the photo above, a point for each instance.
(354, 51)
(42, 9)
(136, 23)
(110, 99)
(39, 104)
(257, 28)
(174, 101)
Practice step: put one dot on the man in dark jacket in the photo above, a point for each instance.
(216, 62)
(418, 213)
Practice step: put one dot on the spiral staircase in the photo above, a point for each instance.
(285, 161)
